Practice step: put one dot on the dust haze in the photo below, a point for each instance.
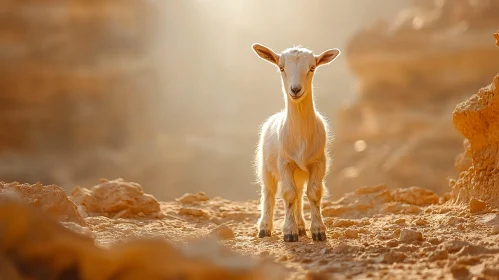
(166, 94)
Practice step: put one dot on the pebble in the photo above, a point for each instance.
(439, 255)
(400, 222)
(223, 232)
(192, 197)
(409, 236)
(192, 212)
(392, 243)
(420, 222)
(459, 271)
(477, 205)
(393, 257)
(351, 233)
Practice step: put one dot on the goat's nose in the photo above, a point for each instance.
(295, 88)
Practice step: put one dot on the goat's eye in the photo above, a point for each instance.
(281, 68)
(312, 69)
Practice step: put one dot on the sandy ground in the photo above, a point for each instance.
(373, 233)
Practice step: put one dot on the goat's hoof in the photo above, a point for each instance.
(264, 233)
(319, 236)
(302, 232)
(291, 237)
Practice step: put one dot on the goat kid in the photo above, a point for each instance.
(292, 151)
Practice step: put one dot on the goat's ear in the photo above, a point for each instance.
(266, 53)
(326, 57)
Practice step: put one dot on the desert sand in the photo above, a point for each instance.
(373, 233)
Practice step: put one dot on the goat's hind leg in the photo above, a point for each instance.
(269, 189)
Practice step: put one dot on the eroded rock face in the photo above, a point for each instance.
(51, 199)
(117, 199)
(55, 252)
(412, 71)
(478, 120)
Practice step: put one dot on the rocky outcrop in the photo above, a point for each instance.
(51, 199)
(117, 199)
(478, 120)
(411, 73)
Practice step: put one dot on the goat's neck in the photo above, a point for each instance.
(300, 114)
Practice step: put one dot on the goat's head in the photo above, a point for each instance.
(297, 66)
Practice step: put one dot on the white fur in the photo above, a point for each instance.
(292, 151)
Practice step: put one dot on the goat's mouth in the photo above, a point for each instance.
(296, 96)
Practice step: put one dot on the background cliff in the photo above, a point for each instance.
(412, 71)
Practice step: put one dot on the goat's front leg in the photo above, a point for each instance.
(315, 188)
(299, 210)
(269, 188)
(289, 195)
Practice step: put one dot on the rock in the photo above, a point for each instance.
(51, 199)
(335, 235)
(60, 251)
(351, 233)
(189, 198)
(400, 208)
(435, 241)
(409, 236)
(491, 272)
(399, 222)
(476, 119)
(343, 248)
(392, 243)
(116, 198)
(477, 205)
(193, 212)
(415, 195)
(392, 257)
(223, 232)
(495, 229)
(459, 271)
(438, 255)
(420, 222)
(343, 223)
(453, 246)
(363, 201)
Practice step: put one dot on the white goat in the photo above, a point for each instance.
(293, 146)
